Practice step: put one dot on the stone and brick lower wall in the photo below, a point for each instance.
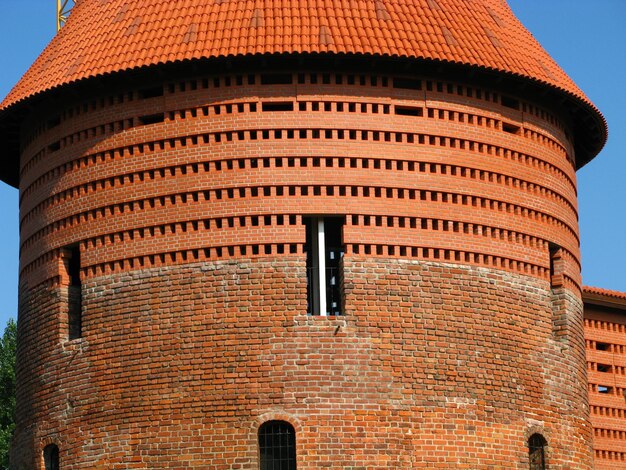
(434, 365)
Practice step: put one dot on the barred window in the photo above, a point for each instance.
(324, 250)
(536, 452)
(277, 446)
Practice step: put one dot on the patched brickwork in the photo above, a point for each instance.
(186, 203)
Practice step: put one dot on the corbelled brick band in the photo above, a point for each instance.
(462, 334)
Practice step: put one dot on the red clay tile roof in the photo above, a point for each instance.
(108, 36)
(105, 36)
(604, 292)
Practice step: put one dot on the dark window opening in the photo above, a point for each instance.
(277, 446)
(408, 111)
(536, 452)
(152, 119)
(603, 346)
(511, 128)
(604, 368)
(151, 92)
(276, 79)
(510, 102)
(51, 457)
(74, 293)
(53, 147)
(54, 122)
(556, 266)
(407, 83)
(277, 106)
(324, 249)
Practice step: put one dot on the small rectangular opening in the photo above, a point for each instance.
(152, 118)
(407, 83)
(409, 111)
(604, 368)
(603, 346)
(53, 147)
(510, 128)
(151, 92)
(276, 79)
(510, 102)
(605, 389)
(277, 106)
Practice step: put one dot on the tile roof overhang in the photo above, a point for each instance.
(604, 297)
(103, 38)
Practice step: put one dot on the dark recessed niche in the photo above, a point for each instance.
(277, 106)
(407, 83)
(510, 102)
(276, 79)
(409, 111)
(152, 118)
(152, 92)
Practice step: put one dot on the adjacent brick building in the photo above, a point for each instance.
(605, 335)
(261, 234)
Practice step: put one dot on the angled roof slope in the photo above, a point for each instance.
(105, 36)
(109, 36)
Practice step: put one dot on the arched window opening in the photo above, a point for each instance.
(51, 457)
(536, 452)
(277, 446)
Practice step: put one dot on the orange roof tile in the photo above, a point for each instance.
(108, 36)
(604, 292)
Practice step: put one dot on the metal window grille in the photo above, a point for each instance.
(536, 452)
(277, 446)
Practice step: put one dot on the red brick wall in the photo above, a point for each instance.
(605, 333)
(453, 350)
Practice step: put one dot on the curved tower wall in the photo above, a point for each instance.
(188, 204)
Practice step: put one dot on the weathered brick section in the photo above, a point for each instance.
(434, 366)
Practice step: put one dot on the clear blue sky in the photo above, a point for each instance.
(586, 37)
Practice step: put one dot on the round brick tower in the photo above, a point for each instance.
(338, 235)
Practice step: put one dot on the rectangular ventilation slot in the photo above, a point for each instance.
(605, 389)
(276, 79)
(277, 106)
(53, 147)
(54, 122)
(603, 346)
(152, 118)
(407, 83)
(604, 368)
(409, 111)
(151, 92)
(510, 128)
(510, 102)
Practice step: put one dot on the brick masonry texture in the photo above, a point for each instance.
(463, 332)
(434, 366)
(605, 335)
